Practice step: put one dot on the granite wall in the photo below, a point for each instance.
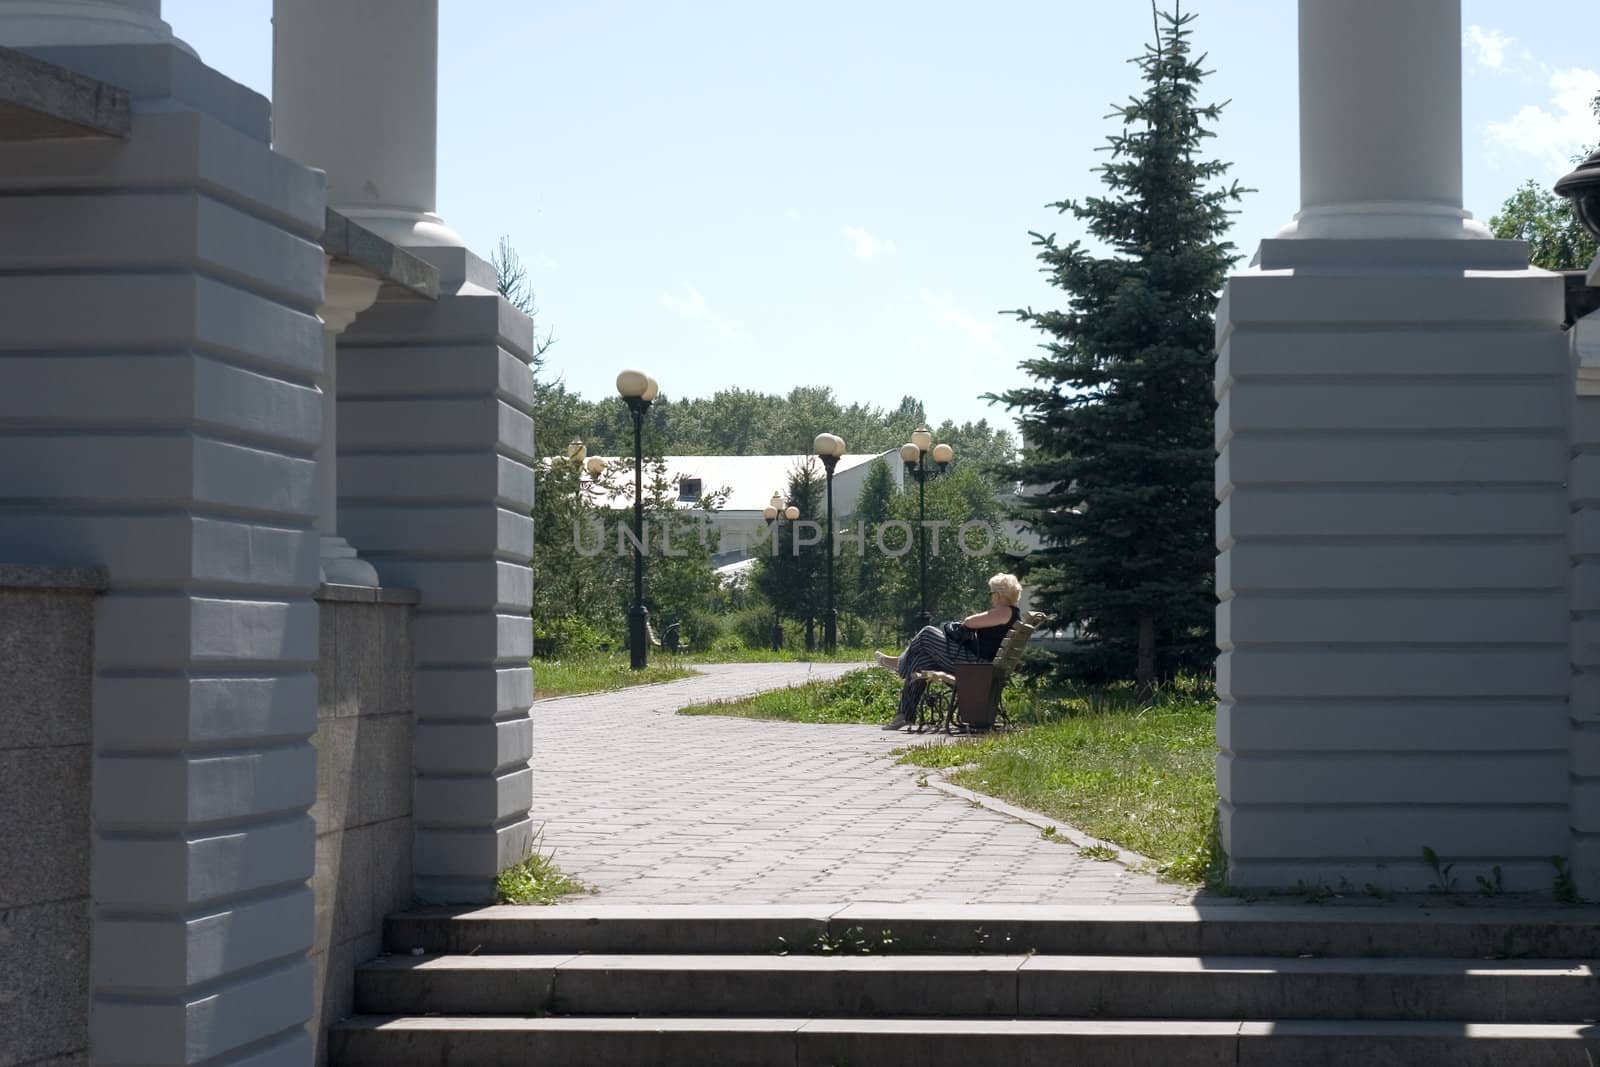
(364, 786)
(46, 667)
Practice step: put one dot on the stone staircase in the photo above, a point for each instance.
(885, 985)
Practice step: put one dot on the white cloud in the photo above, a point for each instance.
(1553, 132)
(692, 305)
(1488, 47)
(952, 318)
(867, 245)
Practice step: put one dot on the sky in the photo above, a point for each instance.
(728, 193)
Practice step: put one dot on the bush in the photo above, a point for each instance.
(698, 630)
(568, 635)
(753, 626)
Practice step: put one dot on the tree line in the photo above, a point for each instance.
(1116, 459)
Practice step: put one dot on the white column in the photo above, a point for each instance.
(348, 292)
(42, 23)
(1380, 121)
(355, 88)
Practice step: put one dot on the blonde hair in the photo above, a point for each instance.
(1007, 586)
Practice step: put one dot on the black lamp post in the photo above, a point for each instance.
(581, 461)
(914, 454)
(829, 447)
(775, 511)
(638, 389)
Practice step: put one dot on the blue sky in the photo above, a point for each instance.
(732, 193)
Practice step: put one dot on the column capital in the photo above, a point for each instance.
(347, 292)
(45, 23)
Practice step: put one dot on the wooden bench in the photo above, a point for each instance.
(967, 697)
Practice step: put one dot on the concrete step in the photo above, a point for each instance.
(377, 1041)
(1443, 931)
(1005, 986)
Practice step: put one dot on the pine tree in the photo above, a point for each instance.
(874, 503)
(1118, 424)
(790, 575)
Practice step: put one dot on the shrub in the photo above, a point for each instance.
(568, 635)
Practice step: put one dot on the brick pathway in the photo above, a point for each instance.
(653, 807)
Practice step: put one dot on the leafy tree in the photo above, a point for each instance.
(1556, 239)
(1119, 418)
(959, 564)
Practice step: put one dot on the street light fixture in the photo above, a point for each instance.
(637, 389)
(915, 454)
(774, 511)
(576, 453)
(829, 447)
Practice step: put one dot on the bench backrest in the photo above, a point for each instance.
(1009, 658)
(979, 685)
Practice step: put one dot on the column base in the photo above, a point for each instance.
(341, 565)
(41, 23)
(408, 229)
(1385, 219)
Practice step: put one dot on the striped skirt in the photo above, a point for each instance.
(930, 650)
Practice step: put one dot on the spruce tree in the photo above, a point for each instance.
(1117, 425)
(869, 598)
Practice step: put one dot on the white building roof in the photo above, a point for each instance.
(751, 480)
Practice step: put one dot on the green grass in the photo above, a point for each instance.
(537, 879)
(860, 696)
(731, 653)
(1137, 773)
(599, 672)
(1140, 776)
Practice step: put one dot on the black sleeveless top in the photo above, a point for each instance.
(988, 638)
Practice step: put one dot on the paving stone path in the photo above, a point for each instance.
(653, 807)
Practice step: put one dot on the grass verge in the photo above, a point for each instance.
(740, 654)
(1138, 773)
(860, 696)
(1142, 776)
(598, 673)
(537, 879)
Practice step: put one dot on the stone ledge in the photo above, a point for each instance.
(348, 594)
(350, 242)
(42, 101)
(31, 576)
(161, 76)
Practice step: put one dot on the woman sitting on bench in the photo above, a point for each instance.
(974, 639)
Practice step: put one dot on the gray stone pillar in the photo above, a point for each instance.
(436, 485)
(1584, 703)
(1392, 514)
(158, 405)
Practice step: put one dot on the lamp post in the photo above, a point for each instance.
(914, 454)
(829, 447)
(581, 461)
(1582, 187)
(773, 512)
(638, 389)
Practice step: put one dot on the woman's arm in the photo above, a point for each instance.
(992, 617)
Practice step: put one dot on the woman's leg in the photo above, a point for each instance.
(928, 651)
(910, 695)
